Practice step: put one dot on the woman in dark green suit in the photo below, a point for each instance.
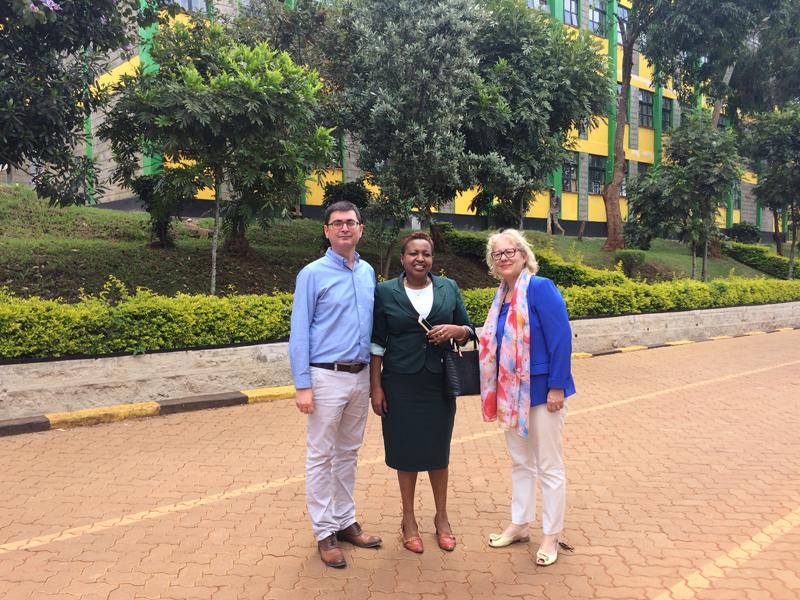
(407, 379)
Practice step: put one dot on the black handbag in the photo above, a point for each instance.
(462, 376)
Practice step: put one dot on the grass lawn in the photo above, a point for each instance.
(53, 252)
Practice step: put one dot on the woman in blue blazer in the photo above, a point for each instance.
(525, 354)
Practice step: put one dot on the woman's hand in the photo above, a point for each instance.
(379, 405)
(443, 333)
(555, 399)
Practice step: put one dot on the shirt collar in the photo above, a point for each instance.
(341, 260)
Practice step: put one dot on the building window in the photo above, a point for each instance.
(571, 13)
(622, 16)
(737, 195)
(642, 169)
(569, 173)
(666, 113)
(597, 17)
(597, 173)
(191, 5)
(645, 109)
(540, 4)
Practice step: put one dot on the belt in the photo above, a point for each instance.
(346, 367)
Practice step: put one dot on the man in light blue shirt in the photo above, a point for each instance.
(329, 348)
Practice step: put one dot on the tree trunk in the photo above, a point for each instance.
(581, 229)
(693, 248)
(218, 175)
(792, 249)
(726, 79)
(615, 239)
(521, 206)
(704, 274)
(777, 236)
(439, 242)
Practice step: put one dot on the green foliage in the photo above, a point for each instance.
(403, 75)
(632, 261)
(50, 53)
(759, 257)
(141, 322)
(537, 81)
(551, 265)
(637, 235)
(351, 191)
(746, 233)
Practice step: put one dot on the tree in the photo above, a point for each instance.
(693, 42)
(773, 145)
(686, 193)
(224, 114)
(50, 53)
(537, 82)
(403, 77)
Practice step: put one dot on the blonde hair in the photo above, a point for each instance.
(520, 243)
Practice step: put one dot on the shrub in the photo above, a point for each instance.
(551, 265)
(351, 191)
(632, 261)
(759, 257)
(637, 235)
(746, 233)
(143, 322)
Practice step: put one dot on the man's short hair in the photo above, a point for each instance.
(342, 206)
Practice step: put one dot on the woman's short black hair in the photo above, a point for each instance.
(417, 235)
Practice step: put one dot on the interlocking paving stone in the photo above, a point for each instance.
(684, 482)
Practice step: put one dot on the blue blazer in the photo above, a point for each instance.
(551, 340)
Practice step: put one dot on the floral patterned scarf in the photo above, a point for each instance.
(506, 388)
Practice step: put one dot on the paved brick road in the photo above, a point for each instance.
(684, 469)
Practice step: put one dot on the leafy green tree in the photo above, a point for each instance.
(402, 79)
(50, 53)
(686, 193)
(228, 115)
(773, 145)
(537, 81)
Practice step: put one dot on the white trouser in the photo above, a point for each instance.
(335, 433)
(539, 456)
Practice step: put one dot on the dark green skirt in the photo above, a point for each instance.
(419, 423)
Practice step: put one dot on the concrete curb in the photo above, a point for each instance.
(121, 412)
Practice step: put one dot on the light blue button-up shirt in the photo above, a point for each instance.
(331, 315)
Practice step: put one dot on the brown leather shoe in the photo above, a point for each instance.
(330, 553)
(356, 536)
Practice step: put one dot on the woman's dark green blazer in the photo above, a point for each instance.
(395, 325)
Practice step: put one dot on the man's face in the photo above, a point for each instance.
(343, 231)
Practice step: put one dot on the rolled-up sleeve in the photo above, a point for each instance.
(300, 334)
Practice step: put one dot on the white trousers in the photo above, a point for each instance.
(334, 436)
(539, 456)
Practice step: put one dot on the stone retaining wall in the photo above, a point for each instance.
(38, 388)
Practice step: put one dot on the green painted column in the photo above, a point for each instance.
(758, 214)
(658, 125)
(611, 34)
(558, 183)
(87, 127)
(557, 9)
(210, 12)
(578, 186)
(151, 164)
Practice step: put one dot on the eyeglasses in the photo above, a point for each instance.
(509, 253)
(351, 223)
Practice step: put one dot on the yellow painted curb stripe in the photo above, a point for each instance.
(679, 343)
(632, 348)
(104, 414)
(721, 337)
(578, 355)
(755, 333)
(266, 394)
(785, 329)
(703, 577)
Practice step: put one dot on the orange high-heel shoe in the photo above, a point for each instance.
(412, 544)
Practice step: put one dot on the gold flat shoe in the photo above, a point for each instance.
(498, 540)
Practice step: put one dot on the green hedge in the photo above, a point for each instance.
(759, 257)
(636, 297)
(551, 265)
(36, 328)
